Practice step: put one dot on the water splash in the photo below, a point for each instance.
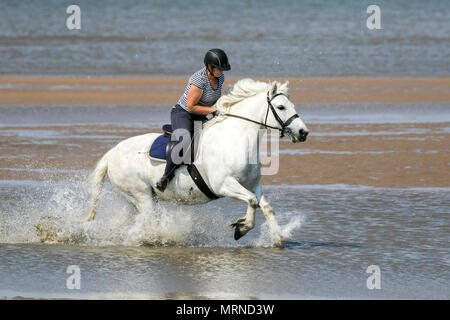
(52, 212)
(288, 223)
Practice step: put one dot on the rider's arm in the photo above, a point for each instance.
(193, 97)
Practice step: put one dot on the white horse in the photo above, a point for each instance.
(223, 157)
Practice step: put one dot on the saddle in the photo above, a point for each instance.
(160, 150)
(162, 146)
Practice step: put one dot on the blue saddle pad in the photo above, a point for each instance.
(158, 148)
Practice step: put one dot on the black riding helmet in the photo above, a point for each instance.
(217, 58)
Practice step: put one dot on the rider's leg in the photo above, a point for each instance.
(180, 119)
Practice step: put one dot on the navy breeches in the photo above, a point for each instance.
(181, 119)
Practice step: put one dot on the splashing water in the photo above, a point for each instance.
(288, 223)
(52, 212)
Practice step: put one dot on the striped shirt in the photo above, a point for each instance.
(200, 80)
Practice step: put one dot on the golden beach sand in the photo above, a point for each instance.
(378, 160)
(148, 91)
(382, 160)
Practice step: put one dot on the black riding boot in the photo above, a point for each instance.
(162, 183)
(168, 172)
(180, 119)
(167, 176)
(165, 179)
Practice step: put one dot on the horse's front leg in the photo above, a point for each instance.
(245, 224)
(233, 189)
(274, 228)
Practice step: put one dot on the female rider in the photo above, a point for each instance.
(202, 91)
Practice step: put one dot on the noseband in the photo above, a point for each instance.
(277, 117)
(275, 114)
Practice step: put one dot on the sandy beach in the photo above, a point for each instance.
(334, 153)
(366, 195)
(381, 160)
(147, 91)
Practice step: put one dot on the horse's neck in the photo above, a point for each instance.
(251, 108)
(233, 129)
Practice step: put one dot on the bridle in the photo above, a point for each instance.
(277, 117)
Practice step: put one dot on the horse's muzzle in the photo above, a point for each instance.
(302, 134)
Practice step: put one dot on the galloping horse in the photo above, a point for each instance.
(223, 158)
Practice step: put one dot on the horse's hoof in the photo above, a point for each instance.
(237, 232)
(278, 244)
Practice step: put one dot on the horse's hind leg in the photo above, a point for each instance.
(144, 221)
(142, 201)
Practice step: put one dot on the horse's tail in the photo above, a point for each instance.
(96, 180)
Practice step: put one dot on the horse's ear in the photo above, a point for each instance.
(284, 88)
(274, 88)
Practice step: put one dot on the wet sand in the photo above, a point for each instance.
(375, 154)
(50, 144)
(146, 91)
(381, 155)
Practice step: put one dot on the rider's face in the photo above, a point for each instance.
(216, 72)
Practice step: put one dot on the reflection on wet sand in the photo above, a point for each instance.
(123, 90)
(383, 155)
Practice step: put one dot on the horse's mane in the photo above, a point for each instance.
(247, 88)
(243, 89)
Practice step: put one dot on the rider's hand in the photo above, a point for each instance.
(217, 113)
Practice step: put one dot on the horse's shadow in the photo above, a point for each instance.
(309, 244)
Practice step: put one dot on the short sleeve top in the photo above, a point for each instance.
(200, 80)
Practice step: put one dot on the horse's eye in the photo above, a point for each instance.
(281, 107)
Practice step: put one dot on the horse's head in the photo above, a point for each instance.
(279, 112)
(284, 115)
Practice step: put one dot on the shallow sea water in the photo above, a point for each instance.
(262, 38)
(332, 233)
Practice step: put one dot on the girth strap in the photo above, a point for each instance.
(200, 183)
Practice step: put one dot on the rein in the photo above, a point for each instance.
(277, 117)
